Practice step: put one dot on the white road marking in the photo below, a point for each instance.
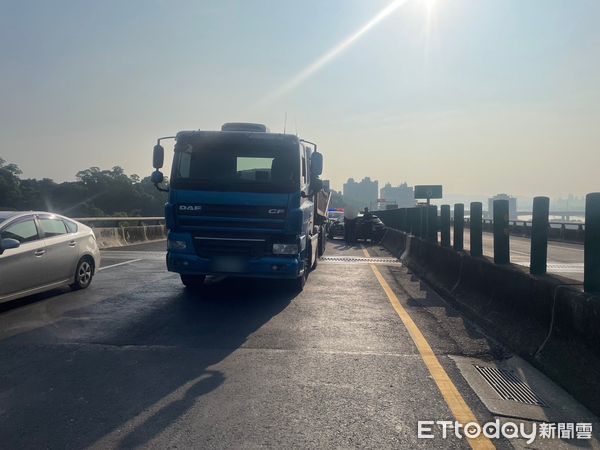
(119, 264)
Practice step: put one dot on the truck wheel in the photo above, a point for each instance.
(322, 242)
(193, 281)
(298, 283)
(313, 266)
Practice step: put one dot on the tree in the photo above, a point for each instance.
(96, 192)
(10, 191)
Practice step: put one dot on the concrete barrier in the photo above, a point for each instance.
(120, 236)
(544, 319)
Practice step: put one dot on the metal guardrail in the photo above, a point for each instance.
(562, 231)
(102, 222)
(424, 222)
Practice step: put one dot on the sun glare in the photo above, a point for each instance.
(429, 5)
(334, 52)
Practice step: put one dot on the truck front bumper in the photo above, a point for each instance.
(264, 267)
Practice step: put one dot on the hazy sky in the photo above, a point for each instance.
(482, 96)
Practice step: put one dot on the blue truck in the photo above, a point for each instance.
(243, 201)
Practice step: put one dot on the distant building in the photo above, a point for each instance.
(365, 191)
(512, 206)
(403, 196)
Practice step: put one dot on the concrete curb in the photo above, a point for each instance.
(541, 318)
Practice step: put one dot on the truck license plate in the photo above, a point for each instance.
(229, 264)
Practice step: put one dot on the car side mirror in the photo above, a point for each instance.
(316, 164)
(158, 156)
(8, 244)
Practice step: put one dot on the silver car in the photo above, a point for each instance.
(40, 251)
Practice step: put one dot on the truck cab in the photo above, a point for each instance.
(243, 201)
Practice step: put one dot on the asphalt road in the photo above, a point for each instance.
(138, 361)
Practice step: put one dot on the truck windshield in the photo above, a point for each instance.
(237, 164)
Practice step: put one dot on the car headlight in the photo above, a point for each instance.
(285, 249)
(177, 245)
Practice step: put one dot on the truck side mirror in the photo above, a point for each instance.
(316, 164)
(8, 244)
(157, 177)
(158, 156)
(316, 185)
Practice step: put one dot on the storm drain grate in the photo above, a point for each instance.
(509, 386)
(359, 260)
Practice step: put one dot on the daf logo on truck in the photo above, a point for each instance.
(190, 208)
(244, 202)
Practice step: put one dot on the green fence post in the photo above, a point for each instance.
(501, 232)
(476, 229)
(432, 223)
(459, 226)
(445, 225)
(539, 236)
(591, 267)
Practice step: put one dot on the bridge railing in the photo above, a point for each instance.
(108, 222)
(561, 231)
(424, 222)
(121, 231)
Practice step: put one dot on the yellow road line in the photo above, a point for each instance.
(461, 411)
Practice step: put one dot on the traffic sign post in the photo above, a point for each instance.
(428, 191)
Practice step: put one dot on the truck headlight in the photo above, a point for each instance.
(177, 245)
(285, 249)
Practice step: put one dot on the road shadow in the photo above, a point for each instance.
(436, 313)
(121, 371)
(24, 301)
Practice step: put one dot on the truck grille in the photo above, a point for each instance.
(235, 211)
(207, 247)
(204, 217)
(209, 224)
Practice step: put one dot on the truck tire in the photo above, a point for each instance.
(313, 266)
(193, 281)
(297, 284)
(322, 242)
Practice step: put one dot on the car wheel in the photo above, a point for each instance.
(83, 273)
(193, 281)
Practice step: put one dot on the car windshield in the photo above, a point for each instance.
(237, 163)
